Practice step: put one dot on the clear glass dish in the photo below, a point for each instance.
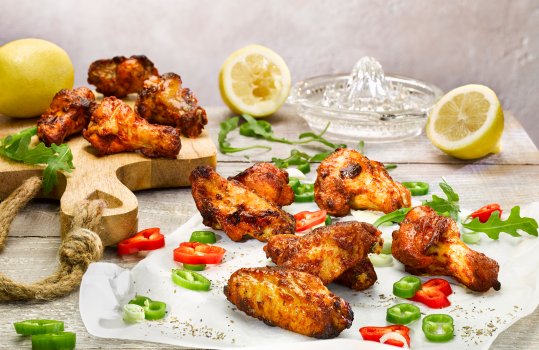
(350, 124)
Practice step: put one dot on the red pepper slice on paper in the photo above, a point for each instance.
(198, 253)
(149, 239)
(375, 333)
(434, 293)
(484, 213)
(308, 219)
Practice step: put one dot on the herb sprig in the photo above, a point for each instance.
(224, 145)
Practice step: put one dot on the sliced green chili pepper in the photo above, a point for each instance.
(190, 280)
(406, 287)
(133, 313)
(438, 327)
(304, 167)
(153, 309)
(194, 267)
(203, 237)
(327, 222)
(54, 341)
(30, 327)
(417, 188)
(402, 313)
(304, 193)
(293, 182)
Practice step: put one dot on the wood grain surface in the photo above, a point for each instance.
(509, 178)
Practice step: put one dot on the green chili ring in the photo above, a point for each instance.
(438, 328)
(190, 280)
(402, 313)
(30, 327)
(406, 287)
(52, 341)
(417, 188)
(207, 237)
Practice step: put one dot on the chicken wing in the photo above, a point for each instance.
(269, 182)
(231, 207)
(114, 128)
(163, 101)
(327, 252)
(428, 243)
(68, 113)
(120, 75)
(347, 179)
(289, 299)
(359, 277)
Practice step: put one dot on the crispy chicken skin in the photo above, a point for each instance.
(162, 100)
(68, 113)
(231, 207)
(327, 252)
(289, 299)
(347, 179)
(359, 277)
(428, 243)
(115, 127)
(120, 75)
(269, 182)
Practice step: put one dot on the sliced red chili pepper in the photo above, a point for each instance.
(375, 333)
(308, 219)
(149, 239)
(484, 213)
(198, 253)
(434, 293)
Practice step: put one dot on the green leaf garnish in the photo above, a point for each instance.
(495, 225)
(226, 127)
(447, 207)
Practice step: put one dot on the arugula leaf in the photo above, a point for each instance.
(395, 217)
(226, 127)
(447, 207)
(17, 147)
(494, 225)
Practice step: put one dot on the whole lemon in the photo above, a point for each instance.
(32, 71)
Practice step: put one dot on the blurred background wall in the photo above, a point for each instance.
(448, 43)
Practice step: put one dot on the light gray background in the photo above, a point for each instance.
(448, 43)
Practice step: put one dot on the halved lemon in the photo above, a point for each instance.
(254, 80)
(467, 122)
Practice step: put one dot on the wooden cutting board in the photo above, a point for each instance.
(112, 178)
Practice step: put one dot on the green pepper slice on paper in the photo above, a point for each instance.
(402, 313)
(207, 237)
(438, 327)
(406, 287)
(190, 280)
(194, 267)
(417, 188)
(54, 341)
(30, 327)
(153, 309)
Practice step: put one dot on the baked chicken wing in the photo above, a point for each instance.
(120, 75)
(327, 252)
(289, 299)
(269, 182)
(229, 206)
(428, 243)
(347, 179)
(115, 127)
(68, 113)
(162, 100)
(359, 277)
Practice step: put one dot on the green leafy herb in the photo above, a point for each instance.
(298, 158)
(361, 146)
(447, 207)
(394, 217)
(494, 225)
(390, 166)
(226, 127)
(17, 147)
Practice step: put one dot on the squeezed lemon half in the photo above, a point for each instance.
(254, 80)
(467, 122)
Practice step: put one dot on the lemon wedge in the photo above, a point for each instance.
(467, 122)
(254, 80)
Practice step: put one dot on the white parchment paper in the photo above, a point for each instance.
(208, 320)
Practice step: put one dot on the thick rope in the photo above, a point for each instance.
(80, 247)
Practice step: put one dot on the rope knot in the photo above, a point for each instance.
(80, 247)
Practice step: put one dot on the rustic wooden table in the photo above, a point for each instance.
(509, 178)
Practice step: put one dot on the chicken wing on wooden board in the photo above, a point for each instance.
(289, 299)
(120, 75)
(269, 182)
(359, 277)
(114, 127)
(162, 100)
(231, 207)
(428, 243)
(68, 113)
(327, 252)
(347, 179)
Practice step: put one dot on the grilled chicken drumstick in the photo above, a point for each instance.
(114, 128)
(120, 75)
(289, 299)
(68, 113)
(347, 179)
(327, 252)
(230, 206)
(428, 243)
(162, 100)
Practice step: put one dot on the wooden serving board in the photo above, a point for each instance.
(112, 178)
